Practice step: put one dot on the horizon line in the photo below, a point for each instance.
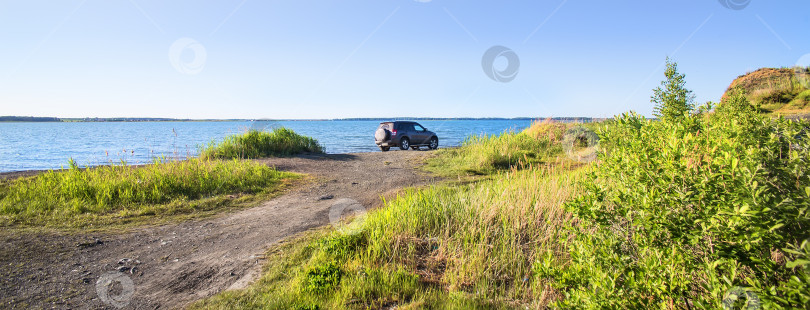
(147, 119)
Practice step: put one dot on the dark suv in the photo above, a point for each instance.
(405, 135)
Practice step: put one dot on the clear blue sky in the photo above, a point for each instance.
(334, 59)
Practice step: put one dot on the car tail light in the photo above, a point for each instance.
(394, 132)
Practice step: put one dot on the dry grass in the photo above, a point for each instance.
(781, 91)
(546, 129)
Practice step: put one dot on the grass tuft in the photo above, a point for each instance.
(258, 144)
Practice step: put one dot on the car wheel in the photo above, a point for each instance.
(385, 148)
(434, 143)
(404, 144)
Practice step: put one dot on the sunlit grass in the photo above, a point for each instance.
(454, 247)
(258, 144)
(538, 144)
(78, 197)
(443, 247)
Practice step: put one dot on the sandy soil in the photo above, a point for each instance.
(172, 265)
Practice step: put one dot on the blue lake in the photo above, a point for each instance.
(39, 146)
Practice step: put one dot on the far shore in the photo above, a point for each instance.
(35, 119)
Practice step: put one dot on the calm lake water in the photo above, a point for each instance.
(39, 146)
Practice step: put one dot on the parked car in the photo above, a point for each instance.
(404, 135)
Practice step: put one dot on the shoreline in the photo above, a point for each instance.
(11, 175)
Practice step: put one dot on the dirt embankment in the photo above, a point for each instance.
(781, 91)
(172, 265)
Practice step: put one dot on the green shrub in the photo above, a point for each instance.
(682, 212)
(257, 144)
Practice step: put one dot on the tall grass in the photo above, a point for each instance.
(477, 239)
(487, 154)
(123, 190)
(546, 130)
(445, 247)
(257, 144)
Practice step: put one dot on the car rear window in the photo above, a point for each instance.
(405, 126)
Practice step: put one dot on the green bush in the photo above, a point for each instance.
(258, 144)
(684, 212)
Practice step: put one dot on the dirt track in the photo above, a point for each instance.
(179, 263)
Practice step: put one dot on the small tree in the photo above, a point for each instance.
(672, 99)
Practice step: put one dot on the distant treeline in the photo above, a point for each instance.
(155, 119)
(124, 119)
(431, 118)
(559, 119)
(28, 119)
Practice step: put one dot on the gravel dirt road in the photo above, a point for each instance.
(172, 265)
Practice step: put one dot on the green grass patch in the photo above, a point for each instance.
(124, 194)
(799, 103)
(445, 247)
(258, 144)
(489, 154)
